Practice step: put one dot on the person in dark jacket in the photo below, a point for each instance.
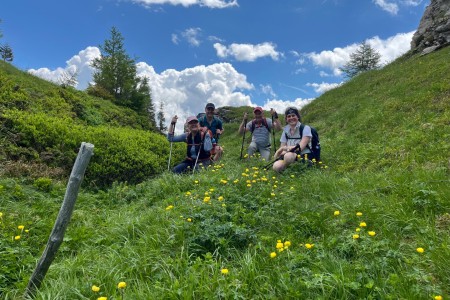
(198, 144)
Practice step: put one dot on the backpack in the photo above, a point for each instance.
(264, 122)
(315, 142)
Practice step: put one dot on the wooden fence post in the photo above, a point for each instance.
(57, 234)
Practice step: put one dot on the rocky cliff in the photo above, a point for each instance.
(434, 28)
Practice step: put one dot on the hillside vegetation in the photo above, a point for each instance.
(371, 222)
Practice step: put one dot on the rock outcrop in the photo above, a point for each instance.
(434, 28)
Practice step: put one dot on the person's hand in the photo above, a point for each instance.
(273, 113)
(218, 131)
(174, 119)
(245, 117)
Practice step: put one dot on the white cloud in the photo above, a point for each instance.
(412, 2)
(247, 52)
(186, 92)
(391, 8)
(79, 63)
(267, 89)
(175, 39)
(281, 105)
(192, 36)
(323, 87)
(389, 50)
(187, 3)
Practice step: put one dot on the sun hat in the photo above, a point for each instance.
(258, 108)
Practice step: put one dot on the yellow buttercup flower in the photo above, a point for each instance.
(438, 297)
(189, 219)
(211, 190)
(188, 193)
(420, 250)
(169, 207)
(337, 213)
(309, 246)
(220, 198)
(102, 298)
(95, 288)
(358, 229)
(355, 236)
(122, 285)
(224, 271)
(20, 227)
(371, 233)
(273, 254)
(249, 185)
(287, 243)
(272, 194)
(1, 214)
(206, 199)
(279, 245)
(196, 181)
(17, 237)
(359, 214)
(362, 224)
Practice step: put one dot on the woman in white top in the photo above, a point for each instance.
(291, 138)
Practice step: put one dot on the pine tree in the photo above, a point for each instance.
(161, 118)
(365, 58)
(6, 53)
(116, 71)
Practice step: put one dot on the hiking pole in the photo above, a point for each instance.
(171, 142)
(281, 157)
(198, 153)
(273, 134)
(243, 138)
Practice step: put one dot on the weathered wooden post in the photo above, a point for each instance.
(57, 235)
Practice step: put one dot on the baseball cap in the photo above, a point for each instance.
(258, 108)
(210, 105)
(191, 118)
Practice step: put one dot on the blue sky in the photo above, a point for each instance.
(271, 53)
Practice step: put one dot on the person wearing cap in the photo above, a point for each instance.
(198, 143)
(260, 128)
(214, 124)
(290, 138)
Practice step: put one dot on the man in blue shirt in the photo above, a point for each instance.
(214, 124)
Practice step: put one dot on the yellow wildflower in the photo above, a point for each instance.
(337, 213)
(211, 190)
(188, 193)
(206, 199)
(358, 229)
(372, 233)
(362, 224)
(249, 185)
(95, 288)
(102, 298)
(122, 285)
(189, 219)
(220, 198)
(169, 207)
(273, 254)
(279, 245)
(292, 187)
(224, 271)
(309, 246)
(20, 227)
(287, 243)
(1, 214)
(438, 297)
(420, 250)
(355, 236)
(272, 194)
(359, 214)
(292, 176)
(196, 181)
(17, 237)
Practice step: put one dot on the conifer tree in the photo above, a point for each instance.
(116, 72)
(365, 58)
(161, 118)
(6, 53)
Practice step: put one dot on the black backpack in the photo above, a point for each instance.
(315, 142)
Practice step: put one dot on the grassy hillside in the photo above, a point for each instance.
(372, 223)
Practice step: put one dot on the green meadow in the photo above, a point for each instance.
(372, 221)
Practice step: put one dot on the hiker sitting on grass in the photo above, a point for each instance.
(215, 125)
(198, 144)
(260, 128)
(290, 137)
